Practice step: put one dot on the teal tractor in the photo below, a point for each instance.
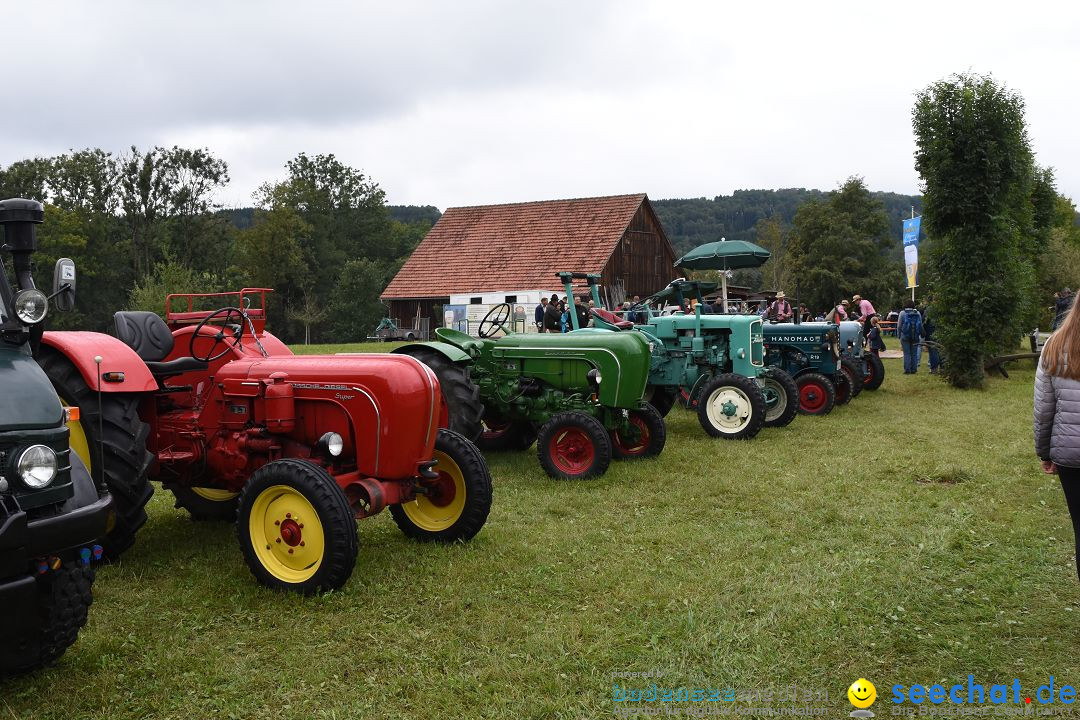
(714, 361)
(579, 397)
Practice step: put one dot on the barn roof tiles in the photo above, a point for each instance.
(519, 245)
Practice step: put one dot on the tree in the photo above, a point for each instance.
(975, 160)
(842, 245)
(170, 276)
(354, 305)
(270, 254)
(162, 191)
(771, 234)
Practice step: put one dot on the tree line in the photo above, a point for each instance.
(144, 224)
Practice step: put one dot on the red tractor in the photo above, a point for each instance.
(295, 448)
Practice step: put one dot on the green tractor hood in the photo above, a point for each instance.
(564, 361)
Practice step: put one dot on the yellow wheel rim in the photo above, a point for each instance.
(215, 495)
(443, 508)
(77, 440)
(286, 534)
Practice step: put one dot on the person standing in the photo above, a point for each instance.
(934, 355)
(540, 314)
(864, 310)
(1062, 302)
(909, 328)
(874, 340)
(780, 310)
(551, 315)
(1057, 414)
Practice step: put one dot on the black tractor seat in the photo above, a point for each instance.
(148, 335)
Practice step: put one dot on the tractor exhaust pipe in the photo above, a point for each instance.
(19, 218)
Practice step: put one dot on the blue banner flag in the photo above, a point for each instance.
(911, 251)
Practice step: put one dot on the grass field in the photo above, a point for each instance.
(908, 538)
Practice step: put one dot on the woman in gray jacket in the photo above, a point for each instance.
(1057, 413)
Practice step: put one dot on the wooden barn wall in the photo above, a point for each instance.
(642, 261)
(405, 310)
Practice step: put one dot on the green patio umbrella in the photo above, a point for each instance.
(724, 255)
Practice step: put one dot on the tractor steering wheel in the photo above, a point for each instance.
(220, 337)
(490, 325)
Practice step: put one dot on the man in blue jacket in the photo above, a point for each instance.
(540, 314)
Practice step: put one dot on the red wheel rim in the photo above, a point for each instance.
(442, 490)
(627, 447)
(812, 396)
(868, 376)
(571, 450)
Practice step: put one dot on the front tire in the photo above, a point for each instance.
(126, 458)
(296, 529)
(465, 411)
(457, 503)
(875, 372)
(732, 407)
(64, 597)
(781, 398)
(651, 435)
(842, 388)
(573, 445)
(817, 394)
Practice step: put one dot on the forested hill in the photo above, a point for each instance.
(691, 222)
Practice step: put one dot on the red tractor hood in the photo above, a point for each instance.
(386, 407)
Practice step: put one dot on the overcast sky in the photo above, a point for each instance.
(474, 102)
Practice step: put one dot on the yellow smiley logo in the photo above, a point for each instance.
(862, 693)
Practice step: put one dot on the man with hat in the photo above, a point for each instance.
(864, 311)
(780, 310)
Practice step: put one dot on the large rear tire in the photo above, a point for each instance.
(875, 372)
(781, 398)
(207, 504)
(126, 458)
(731, 406)
(841, 388)
(296, 528)
(64, 597)
(456, 504)
(853, 368)
(500, 434)
(573, 445)
(817, 394)
(651, 435)
(461, 394)
(660, 397)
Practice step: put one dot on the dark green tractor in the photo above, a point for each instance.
(578, 397)
(714, 363)
(810, 353)
(52, 514)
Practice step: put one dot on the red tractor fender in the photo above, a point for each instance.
(81, 348)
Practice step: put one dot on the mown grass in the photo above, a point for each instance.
(908, 538)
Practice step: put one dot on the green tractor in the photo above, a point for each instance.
(52, 514)
(714, 361)
(579, 397)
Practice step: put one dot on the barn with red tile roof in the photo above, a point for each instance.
(489, 248)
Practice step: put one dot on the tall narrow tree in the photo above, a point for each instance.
(975, 161)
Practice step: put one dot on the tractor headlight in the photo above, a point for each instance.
(31, 306)
(332, 443)
(594, 378)
(37, 466)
